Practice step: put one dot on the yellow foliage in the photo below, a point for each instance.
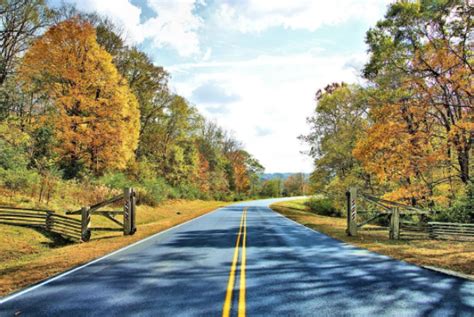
(95, 114)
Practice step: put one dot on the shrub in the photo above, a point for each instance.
(153, 191)
(115, 180)
(462, 211)
(187, 191)
(240, 197)
(20, 179)
(323, 206)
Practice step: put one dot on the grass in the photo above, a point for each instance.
(27, 256)
(452, 255)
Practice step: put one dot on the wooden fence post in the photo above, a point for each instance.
(133, 198)
(129, 210)
(85, 224)
(351, 212)
(48, 221)
(395, 224)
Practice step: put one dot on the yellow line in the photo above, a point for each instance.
(242, 270)
(230, 284)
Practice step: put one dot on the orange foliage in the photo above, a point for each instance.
(242, 181)
(95, 115)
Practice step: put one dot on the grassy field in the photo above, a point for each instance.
(451, 255)
(27, 256)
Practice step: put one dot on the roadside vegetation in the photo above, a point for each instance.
(407, 134)
(82, 112)
(28, 256)
(83, 115)
(452, 255)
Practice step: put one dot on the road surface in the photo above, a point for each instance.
(258, 263)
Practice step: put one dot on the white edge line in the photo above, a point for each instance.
(61, 275)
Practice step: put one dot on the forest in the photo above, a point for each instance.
(406, 132)
(82, 112)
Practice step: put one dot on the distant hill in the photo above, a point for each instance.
(267, 176)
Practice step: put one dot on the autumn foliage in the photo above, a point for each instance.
(92, 111)
(77, 88)
(411, 129)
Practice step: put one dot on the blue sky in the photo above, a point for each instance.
(252, 65)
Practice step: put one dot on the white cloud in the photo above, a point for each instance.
(175, 24)
(257, 15)
(276, 95)
(121, 12)
(207, 55)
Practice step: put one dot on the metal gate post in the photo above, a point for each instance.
(351, 212)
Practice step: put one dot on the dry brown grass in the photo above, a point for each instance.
(26, 256)
(451, 255)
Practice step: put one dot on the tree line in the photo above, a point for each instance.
(78, 104)
(408, 132)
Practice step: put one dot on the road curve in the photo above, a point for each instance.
(275, 266)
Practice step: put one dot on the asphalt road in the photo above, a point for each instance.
(279, 268)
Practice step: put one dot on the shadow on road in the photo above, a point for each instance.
(290, 271)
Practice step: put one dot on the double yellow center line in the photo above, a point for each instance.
(242, 236)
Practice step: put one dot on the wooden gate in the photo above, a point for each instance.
(128, 213)
(379, 208)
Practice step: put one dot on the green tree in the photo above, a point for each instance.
(339, 120)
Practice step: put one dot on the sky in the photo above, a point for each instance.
(253, 66)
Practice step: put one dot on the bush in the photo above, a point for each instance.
(240, 197)
(116, 180)
(18, 179)
(188, 191)
(462, 211)
(153, 191)
(323, 206)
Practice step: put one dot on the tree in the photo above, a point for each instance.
(20, 23)
(271, 188)
(425, 48)
(169, 139)
(400, 147)
(77, 87)
(147, 81)
(295, 185)
(339, 120)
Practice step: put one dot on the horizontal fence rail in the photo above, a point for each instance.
(75, 229)
(399, 216)
(69, 228)
(443, 230)
(438, 230)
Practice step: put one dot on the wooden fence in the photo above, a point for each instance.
(399, 227)
(449, 230)
(128, 212)
(47, 220)
(380, 208)
(75, 229)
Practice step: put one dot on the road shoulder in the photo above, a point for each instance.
(449, 257)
